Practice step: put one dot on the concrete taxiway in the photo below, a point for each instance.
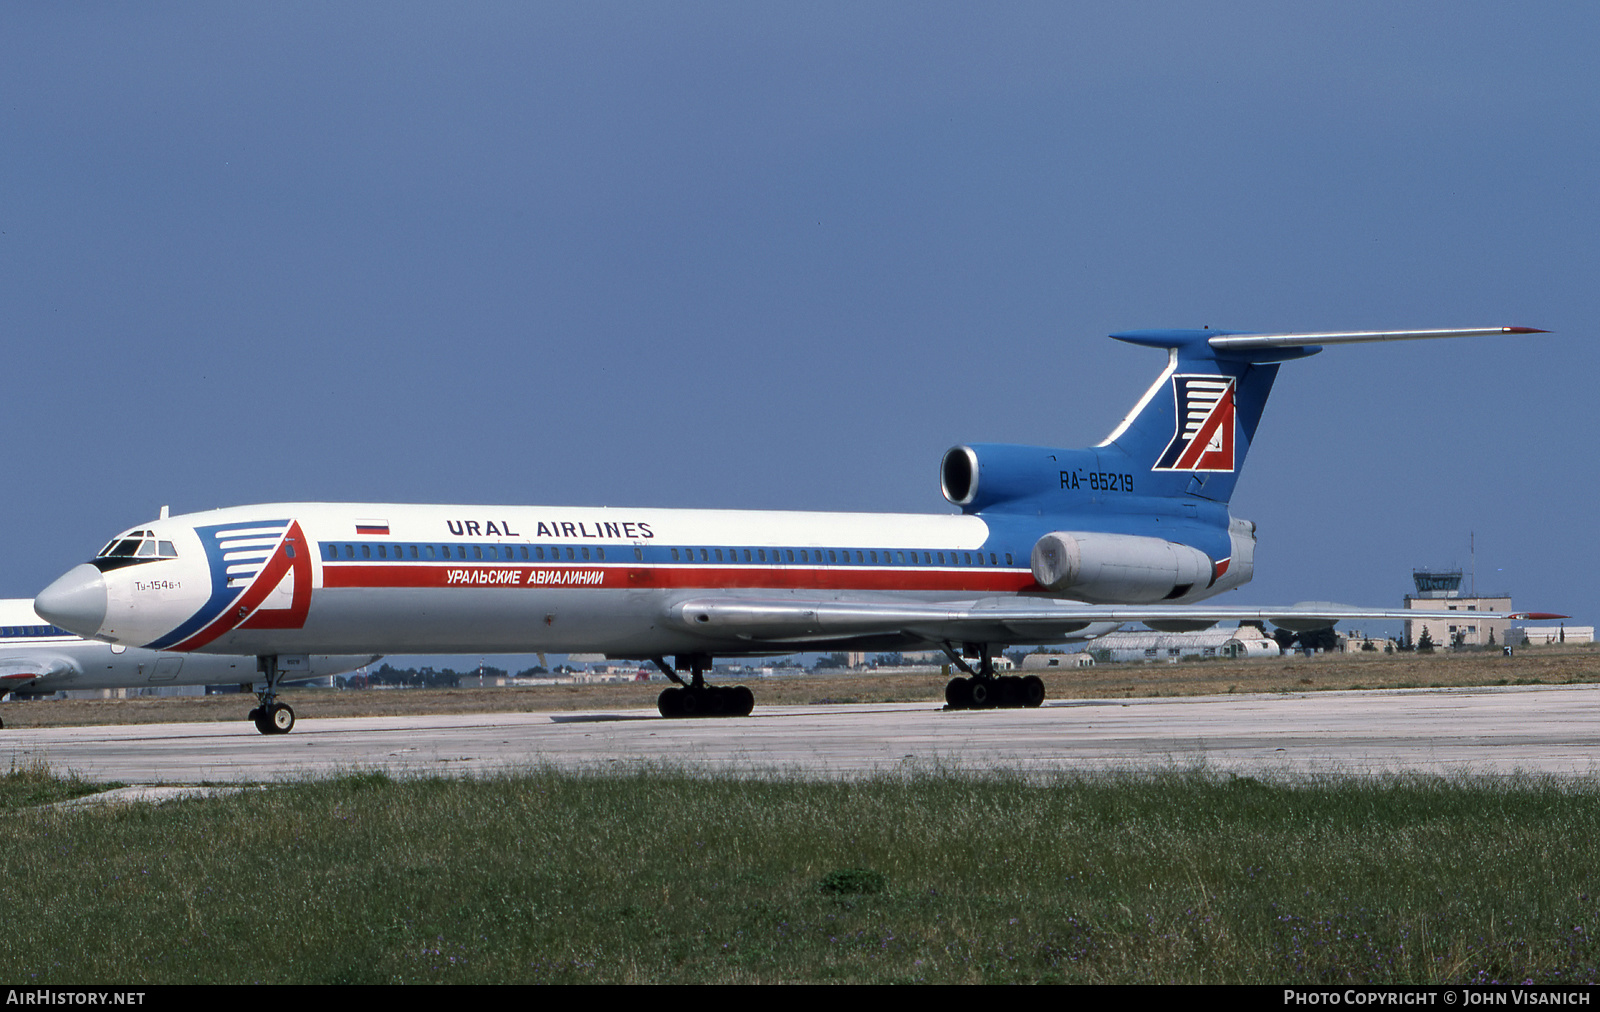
(1534, 729)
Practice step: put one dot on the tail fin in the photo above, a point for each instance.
(1191, 432)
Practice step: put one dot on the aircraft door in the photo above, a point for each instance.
(166, 668)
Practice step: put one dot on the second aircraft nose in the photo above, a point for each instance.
(76, 602)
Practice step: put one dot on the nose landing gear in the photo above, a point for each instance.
(271, 716)
(276, 718)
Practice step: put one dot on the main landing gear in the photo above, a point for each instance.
(270, 716)
(985, 690)
(697, 699)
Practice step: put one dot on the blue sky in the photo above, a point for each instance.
(784, 255)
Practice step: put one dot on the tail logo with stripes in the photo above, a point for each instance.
(1203, 436)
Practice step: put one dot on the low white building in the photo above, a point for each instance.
(1055, 662)
(1146, 645)
(1544, 635)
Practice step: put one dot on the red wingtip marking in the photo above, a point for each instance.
(1523, 330)
(1542, 615)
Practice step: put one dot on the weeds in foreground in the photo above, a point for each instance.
(935, 875)
(32, 782)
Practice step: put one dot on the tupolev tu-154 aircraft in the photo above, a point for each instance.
(36, 656)
(1049, 546)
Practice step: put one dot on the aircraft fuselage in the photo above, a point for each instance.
(340, 578)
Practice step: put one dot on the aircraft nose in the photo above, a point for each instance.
(76, 602)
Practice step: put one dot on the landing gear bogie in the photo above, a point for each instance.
(983, 689)
(1001, 691)
(706, 701)
(695, 698)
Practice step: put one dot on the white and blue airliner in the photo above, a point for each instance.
(1049, 545)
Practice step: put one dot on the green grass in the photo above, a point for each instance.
(937, 875)
(32, 784)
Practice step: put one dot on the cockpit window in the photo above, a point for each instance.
(138, 545)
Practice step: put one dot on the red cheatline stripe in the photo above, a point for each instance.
(439, 575)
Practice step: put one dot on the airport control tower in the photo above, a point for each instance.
(1439, 590)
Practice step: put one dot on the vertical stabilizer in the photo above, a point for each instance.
(1191, 432)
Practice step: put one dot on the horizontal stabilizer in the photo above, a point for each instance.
(1252, 342)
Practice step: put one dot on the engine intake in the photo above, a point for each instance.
(958, 475)
(1118, 568)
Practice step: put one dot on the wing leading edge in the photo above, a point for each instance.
(792, 621)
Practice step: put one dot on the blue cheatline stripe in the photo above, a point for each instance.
(387, 551)
(33, 632)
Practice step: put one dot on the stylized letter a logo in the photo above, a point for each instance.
(1203, 440)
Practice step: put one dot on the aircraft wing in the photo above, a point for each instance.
(20, 672)
(799, 620)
